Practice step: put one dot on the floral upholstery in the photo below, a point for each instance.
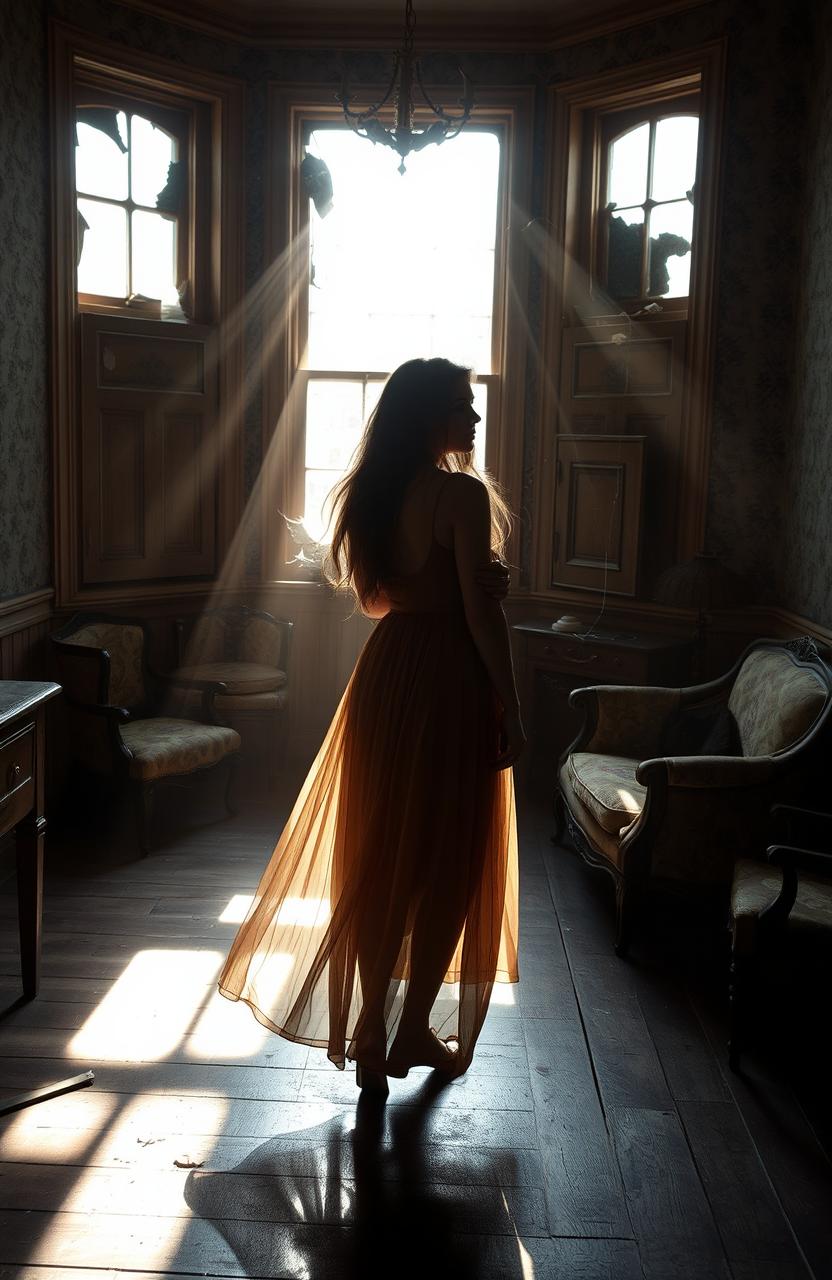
(774, 702)
(240, 677)
(124, 645)
(631, 718)
(162, 747)
(607, 787)
(207, 640)
(756, 884)
(260, 642)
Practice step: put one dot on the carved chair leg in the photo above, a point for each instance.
(630, 906)
(735, 1013)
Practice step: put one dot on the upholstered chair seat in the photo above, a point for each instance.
(162, 747)
(669, 787)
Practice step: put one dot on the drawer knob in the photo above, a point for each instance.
(13, 775)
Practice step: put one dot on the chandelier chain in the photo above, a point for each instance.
(409, 26)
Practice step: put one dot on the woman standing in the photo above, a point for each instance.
(389, 906)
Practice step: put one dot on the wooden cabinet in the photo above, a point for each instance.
(551, 664)
(22, 752)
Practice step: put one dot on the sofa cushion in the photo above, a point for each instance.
(607, 787)
(756, 884)
(163, 747)
(774, 702)
(241, 677)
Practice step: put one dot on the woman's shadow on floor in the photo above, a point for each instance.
(328, 1202)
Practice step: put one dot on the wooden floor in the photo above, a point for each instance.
(598, 1133)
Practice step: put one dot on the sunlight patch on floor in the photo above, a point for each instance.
(146, 1013)
(55, 1131)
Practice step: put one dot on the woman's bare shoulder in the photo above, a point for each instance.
(463, 485)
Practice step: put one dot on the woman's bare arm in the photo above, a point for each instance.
(471, 520)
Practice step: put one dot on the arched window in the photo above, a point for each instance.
(647, 201)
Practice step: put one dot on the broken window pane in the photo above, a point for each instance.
(625, 253)
(671, 231)
(103, 265)
(627, 182)
(674, 156)
(100, 164)
(151, 152)
(154, 263)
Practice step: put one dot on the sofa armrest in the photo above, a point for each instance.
(707, 771)
(624, 720)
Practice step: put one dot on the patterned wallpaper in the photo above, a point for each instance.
(757, 305)
(805, 578)
(25, 556)
(763, 174)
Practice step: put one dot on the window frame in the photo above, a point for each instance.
(193, 135)
(285, 379)
(628, 118)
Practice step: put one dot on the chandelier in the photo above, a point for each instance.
(406, 71)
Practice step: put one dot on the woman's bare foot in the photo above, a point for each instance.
(425, 1050)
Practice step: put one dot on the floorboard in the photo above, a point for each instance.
(597, 1135)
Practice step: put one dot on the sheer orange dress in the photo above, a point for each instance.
(401, 815)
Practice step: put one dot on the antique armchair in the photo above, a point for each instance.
(666, 788)
(780, 916)
(248, 650)
(118, 729)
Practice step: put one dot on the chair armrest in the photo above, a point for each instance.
(791, 860)
(788, 856)
(707, 771)
(792, 823)
(117, 714)
(624, 720)
(208, 688)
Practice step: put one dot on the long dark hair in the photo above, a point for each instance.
(394, 447)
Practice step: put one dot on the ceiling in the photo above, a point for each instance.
(467, 24)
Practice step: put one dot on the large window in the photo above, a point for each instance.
(400, 265)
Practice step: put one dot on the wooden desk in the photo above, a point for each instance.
(553, 663)
(22, 774)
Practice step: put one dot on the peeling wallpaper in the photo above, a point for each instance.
(25, 556)
(759, 433)
(805, 580)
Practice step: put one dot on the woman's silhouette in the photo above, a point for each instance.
(389, 906)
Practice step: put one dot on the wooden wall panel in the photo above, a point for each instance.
(118, 492)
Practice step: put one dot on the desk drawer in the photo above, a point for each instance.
(17, 757)
(596, 664)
